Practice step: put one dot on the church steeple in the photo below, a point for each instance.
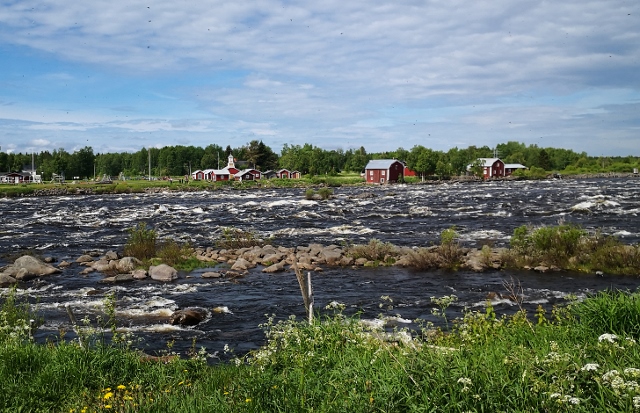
(231, 164)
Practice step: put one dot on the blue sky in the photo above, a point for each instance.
(120, 75)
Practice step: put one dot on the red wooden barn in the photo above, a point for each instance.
(383, 171)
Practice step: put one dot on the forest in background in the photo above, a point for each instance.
(308, 159)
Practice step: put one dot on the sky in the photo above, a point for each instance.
(122, 75)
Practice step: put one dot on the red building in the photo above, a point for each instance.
(491, 168)
(283, 173)
(382, 171)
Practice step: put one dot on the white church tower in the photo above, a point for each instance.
(231, 164)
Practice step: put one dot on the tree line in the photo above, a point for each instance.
(308, 159)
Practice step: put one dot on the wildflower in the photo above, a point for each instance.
(633, 372)
(247, 400)
(107, 406)
(610, 375)
(108, 395)
(636, 402)
(466, 382)
(611, 338)
(590, 367)
(121, 387)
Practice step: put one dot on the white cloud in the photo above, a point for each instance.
(331, 70)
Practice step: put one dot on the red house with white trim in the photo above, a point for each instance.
(491, 168)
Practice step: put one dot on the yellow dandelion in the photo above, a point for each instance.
(371, 400)
(181, 383)
(248, 400)
(107, 406)
(226, 393)
(108, 396)
(121, 387)
(107, 389)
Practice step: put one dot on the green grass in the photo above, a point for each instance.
(569, 360)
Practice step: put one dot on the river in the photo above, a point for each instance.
(407, 215)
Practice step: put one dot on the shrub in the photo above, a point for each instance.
(449, 249)
(141, 243)
(309, 193)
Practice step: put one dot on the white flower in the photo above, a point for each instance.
(611, 338)
(636, 402)
(590, 367)
(465, 381)
(610, 375)
(633, 372)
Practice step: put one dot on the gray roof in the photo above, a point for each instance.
(381, 163)
(514, 166)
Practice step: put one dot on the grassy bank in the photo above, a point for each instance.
(581, 357)
(141, 186)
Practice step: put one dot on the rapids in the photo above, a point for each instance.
(409, 215)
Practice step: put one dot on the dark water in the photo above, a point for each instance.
(66, 227)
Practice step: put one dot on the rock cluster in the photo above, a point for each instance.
(312, 257)
(237, 262)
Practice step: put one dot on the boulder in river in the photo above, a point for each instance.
(163, 273)
(31, 266)
(128, 264)
(188, 316)
(6, 280)
(84, 258)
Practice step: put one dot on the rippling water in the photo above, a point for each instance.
(411, 215)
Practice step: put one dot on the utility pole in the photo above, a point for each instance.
(149, 164)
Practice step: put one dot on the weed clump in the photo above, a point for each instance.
(322, 193)
(375, 250)
(233, 238)
(141, 243)
(447, 255)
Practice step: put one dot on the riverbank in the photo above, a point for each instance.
(581, 357)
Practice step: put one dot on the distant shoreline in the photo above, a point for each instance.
(146, 187)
